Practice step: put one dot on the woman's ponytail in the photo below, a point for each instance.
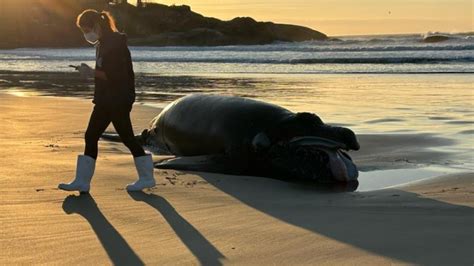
(90, 17)
(109, 21)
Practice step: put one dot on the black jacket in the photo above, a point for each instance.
(113, 57)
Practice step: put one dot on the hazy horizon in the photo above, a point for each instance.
(346, 17)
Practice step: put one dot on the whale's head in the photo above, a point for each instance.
(311, 158)
(342, 135)
(309, 124)
(304, 147)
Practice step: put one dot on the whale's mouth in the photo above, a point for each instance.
(317, 141)
(341, 166)
(313, 158)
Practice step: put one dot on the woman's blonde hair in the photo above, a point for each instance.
(90, 17)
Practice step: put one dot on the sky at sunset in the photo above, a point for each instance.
(347, 17)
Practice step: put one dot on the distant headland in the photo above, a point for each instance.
(51, 23)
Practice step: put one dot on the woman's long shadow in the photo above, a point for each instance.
(395, 224)
(201, 248)
(118, 250)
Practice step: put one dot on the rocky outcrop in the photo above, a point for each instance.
(435, 38)
(158, 24)
(33, 25)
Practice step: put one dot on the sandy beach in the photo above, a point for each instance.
(213, 219)
(395, 80)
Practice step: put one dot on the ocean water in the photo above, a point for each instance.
(371, 84)
(366, 54)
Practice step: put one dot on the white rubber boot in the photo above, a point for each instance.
(144, 165)
(84, 172)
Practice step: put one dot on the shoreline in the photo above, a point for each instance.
(204, 218)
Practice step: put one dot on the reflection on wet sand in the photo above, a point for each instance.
(439, 106)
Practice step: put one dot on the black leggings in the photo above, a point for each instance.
(100, 120)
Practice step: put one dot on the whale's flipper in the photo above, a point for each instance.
(205, 163)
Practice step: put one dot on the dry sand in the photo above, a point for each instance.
(192, 218)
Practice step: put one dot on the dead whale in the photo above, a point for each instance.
(235, 135)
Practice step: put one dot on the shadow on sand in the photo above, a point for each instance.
(118, 250)
(201, 248)
(393, 223)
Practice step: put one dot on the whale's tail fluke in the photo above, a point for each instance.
(111, 137)
(116, 138)
(142, 139)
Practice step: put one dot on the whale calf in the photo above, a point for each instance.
(235, 135)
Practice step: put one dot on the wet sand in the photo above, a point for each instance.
(212, 219)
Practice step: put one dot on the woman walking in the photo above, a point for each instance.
(114, 96)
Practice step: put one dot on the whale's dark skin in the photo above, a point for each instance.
(243, 136)
(208, 124)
